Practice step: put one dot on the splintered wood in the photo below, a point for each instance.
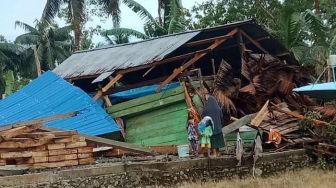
(25, 146)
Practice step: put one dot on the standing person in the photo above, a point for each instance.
(213, 110)
(192, 135)
(205, 129)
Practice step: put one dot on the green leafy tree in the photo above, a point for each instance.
(218, 12)
(53, 44)
(305, 27)
(10, 61)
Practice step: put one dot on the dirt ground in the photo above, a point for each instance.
(306, 178)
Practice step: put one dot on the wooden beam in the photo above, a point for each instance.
(149, 70)
(112, 143)
(112, 82)
(57, 134)
(37, 121)
(8, 134)
(257, 120)
(197, 57)
(245, 42)
(107, 87)
(98, 95)
(205, 41)
(256, 43)
(237, 124)
(187, 96)
(107, 101)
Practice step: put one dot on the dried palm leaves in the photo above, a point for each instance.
(226, 87)
(267, 78)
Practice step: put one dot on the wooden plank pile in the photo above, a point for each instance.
(27, 146)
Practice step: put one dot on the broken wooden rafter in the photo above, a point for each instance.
(112, 82)
(256, 43)
(257, 120)
(107, 101)
(196, 57)
(237, 124)
(98, 95)
(107, 86)
(149, 70)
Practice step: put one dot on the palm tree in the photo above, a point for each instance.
(75, 15)
(173, 23)
(53, 44)
(112, 8)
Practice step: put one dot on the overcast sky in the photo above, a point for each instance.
(29, 10)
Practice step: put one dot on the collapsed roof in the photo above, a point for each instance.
(162, 55)
(50, 95)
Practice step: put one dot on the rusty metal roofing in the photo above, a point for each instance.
(109, 59)
(105, 61)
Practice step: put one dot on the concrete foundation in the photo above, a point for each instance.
(157, 173)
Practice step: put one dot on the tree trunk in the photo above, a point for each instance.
(317, 7)
(78, 35)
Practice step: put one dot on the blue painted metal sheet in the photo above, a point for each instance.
(319, 91)
(141, 92)
(51, 95)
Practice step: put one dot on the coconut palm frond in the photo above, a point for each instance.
(27, 39)
(315, 25)
(141, 11)
(51, 9)
(176, 15)
(125, 32)
(26, 27)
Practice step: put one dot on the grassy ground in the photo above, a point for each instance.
(306, 178)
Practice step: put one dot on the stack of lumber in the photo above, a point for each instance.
(26, 146)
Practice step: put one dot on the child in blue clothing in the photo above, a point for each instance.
(205, 129)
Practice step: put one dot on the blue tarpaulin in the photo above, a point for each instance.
(51, 95)
(140, 92)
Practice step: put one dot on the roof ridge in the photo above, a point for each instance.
(164, 36)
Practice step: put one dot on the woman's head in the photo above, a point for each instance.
(208, 122)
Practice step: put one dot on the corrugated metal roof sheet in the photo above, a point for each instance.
(97, 61)
(51, 95)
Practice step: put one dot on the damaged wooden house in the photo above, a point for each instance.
(148, 86)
